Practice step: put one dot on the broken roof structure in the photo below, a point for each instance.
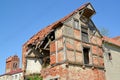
(88, 11)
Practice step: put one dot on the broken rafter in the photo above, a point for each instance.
(41, 47)
(42, 41)
(46, 49)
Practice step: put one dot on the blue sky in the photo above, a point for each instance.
(21, 19)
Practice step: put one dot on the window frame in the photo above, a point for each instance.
(76, 24)
(86, 61)
(84, 34)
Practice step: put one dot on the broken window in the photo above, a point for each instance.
(76, 24)
(109, 56)
(84, 19)
(86, 55)
(91, 26)
(84, 31)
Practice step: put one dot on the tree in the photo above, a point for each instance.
(104, 31)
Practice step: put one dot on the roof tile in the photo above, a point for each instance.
(112, 41)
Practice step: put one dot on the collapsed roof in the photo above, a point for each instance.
(88, 12)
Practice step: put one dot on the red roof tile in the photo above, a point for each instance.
(47, 29)
(117, 38)
(112, 41)
(14, 72)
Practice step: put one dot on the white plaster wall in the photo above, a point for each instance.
(17, 76)
(33, 66)
(5, 77)
(112, 66)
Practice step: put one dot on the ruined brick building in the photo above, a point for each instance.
(69, 49)
(13, 71)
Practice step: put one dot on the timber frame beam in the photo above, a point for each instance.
(41, 48)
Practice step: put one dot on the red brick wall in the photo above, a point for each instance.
(72, 72)
(78, 73)
(59, 70)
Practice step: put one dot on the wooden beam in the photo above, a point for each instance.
(45, 49)
(28, 52)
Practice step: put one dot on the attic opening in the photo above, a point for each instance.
(40, 50)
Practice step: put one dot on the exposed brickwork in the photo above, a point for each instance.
(77, 73)
(52, 59)
(59, 70)
(52, 47)
(77, 34)
(12, 63)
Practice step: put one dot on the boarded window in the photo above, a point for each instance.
(76, 24)
(84, 31)
(86, 55)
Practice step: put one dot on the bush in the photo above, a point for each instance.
(35, 77)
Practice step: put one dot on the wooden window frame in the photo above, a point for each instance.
(86, 55)
(76, 24)
(84, 34)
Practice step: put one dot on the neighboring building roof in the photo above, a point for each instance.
(111, 41)
(13, 72)
(117, 38)
(41, 34)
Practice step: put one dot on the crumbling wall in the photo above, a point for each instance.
(59, 71)
(78, 73)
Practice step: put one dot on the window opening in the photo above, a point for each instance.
(15, 76)
(46, 49)
(109, 56)
(86, 55)
(91, 26)
(14, 65)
